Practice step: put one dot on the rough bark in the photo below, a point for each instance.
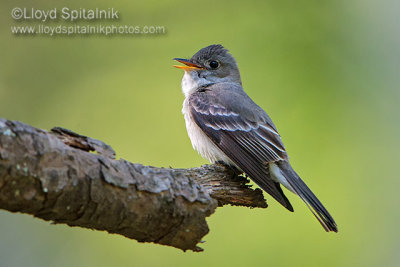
(64, 177)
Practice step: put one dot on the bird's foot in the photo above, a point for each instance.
(230, 167)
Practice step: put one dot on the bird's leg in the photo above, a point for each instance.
(236, 173)
(230, 167)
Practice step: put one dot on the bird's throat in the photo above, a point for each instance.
(191, 82)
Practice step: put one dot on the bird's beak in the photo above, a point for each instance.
(189, 65)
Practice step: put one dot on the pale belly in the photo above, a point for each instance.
(200, 141)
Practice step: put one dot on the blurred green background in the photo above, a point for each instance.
(326, 71)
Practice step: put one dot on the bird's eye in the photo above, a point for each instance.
(214, 64)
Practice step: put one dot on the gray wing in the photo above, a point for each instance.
(243, 131)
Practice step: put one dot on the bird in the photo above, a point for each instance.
(226, 126)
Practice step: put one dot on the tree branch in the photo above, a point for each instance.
(64, 177)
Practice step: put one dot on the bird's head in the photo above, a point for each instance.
(212, 64)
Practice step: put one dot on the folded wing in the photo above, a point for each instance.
(250, 143)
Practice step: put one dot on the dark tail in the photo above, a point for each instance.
(308, 197)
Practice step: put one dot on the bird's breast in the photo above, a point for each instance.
(200, 141)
